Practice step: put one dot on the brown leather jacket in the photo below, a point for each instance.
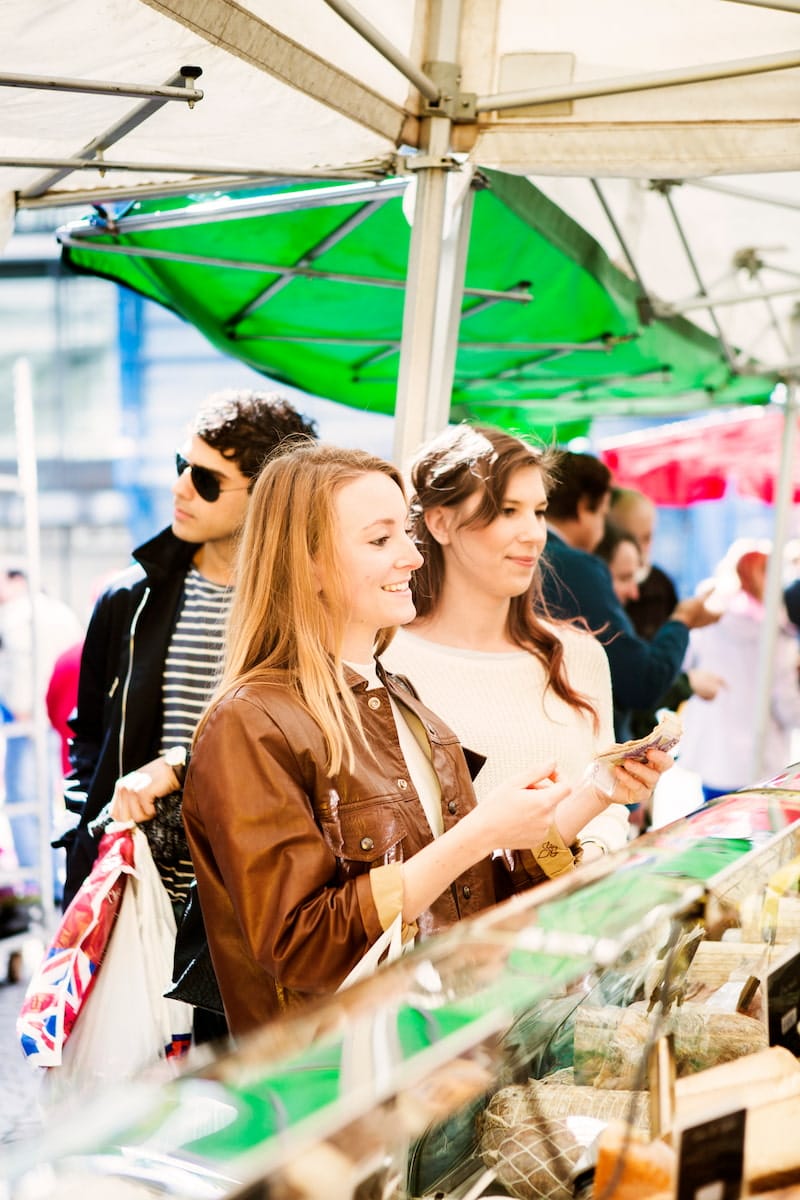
(289, 860)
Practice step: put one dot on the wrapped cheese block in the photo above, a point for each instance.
(716, 963)
(631, 1168)
(533, 1156)
(610, 1043)
(771, 1144)
(755, 1079)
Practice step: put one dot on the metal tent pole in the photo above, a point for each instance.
(455, 246)
(639, 83)
(773, 598)
(422, 311)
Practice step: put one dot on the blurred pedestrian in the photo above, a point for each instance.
(657, 595)
(43, 627)
(62, 696)
(719, 735)
(578, 584)
(653, 605)
(620, 550)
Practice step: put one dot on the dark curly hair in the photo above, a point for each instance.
(247, 427)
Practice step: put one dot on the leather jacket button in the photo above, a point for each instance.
(402, 784)
(374, 702)
(367, 843)
(466, 891)
(452, 807)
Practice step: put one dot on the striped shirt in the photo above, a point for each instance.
(191, 670)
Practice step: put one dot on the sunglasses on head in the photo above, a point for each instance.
(205, 482)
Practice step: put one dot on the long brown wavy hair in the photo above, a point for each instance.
(281, 629)
(452, 468)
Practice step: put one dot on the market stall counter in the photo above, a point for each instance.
(581, 1039)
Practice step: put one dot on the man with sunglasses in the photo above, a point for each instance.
(155, 640)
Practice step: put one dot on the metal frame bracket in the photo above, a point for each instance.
(451, 102)
(420, 162)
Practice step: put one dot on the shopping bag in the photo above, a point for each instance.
(64, 979)
(128, 1026)
(387, 947)
(371, 1050)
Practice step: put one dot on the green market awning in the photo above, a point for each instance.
(307, 286)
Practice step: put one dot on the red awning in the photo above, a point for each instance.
(692, 460)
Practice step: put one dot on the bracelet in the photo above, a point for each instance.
(590, 841)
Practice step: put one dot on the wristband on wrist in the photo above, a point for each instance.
(177, 758)
(553, 854)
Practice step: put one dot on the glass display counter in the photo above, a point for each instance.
(394, 1089)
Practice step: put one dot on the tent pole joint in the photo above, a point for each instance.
(422, 162)
(451, 101)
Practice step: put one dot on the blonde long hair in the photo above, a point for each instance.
(281, 629)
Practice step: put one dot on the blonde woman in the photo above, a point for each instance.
(515, 686)
(323, 800)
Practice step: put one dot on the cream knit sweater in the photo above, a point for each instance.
(496, 704)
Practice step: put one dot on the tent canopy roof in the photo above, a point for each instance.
(295, 88)
(307, 285)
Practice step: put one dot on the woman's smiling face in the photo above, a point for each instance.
(376, 559)
(500, 558)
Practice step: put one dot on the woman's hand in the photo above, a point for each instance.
(519, 813)
(634, 780)
(515, 816)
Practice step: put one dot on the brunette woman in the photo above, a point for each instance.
(515, 685)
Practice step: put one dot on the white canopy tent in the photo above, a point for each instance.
(630, 91)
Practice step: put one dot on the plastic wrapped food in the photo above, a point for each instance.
(611, 1043)
(533, 1156)
(556, 1096)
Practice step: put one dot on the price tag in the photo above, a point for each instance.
(783, 1004)
(711, 1159)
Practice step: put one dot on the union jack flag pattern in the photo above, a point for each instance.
(64, 978)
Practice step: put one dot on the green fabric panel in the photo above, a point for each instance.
(519, 240)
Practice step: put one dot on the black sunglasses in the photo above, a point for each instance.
(204, 481)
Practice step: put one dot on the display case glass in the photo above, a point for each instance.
(396, 1087)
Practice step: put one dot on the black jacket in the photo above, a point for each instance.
(118, 720)
(578, 584)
